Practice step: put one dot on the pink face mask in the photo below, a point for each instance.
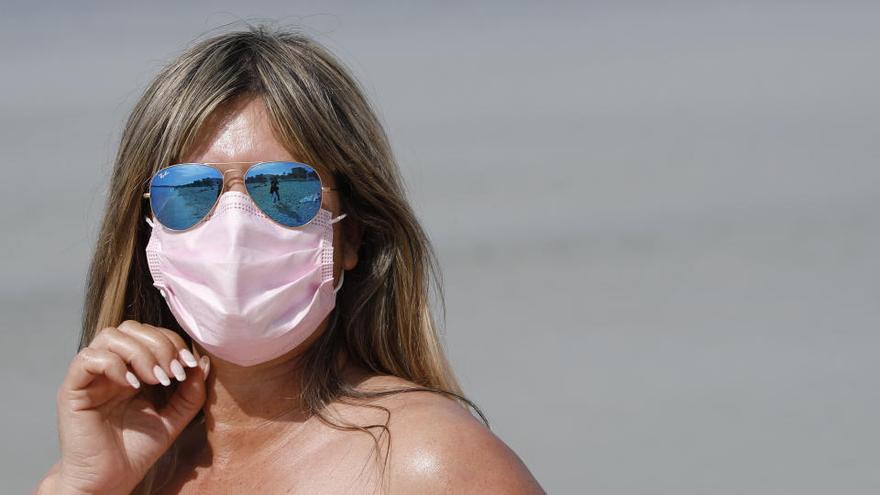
(245, 288)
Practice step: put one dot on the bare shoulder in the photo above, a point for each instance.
(438, 446)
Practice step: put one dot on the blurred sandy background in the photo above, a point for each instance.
(658, 221)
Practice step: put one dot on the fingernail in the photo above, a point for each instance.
(161, 376)
(177, 369)
(188, 358)
(206, 364)
(133, 380)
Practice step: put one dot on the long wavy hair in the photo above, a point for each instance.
(383, 317)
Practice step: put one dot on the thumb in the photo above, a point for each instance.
(187, 399)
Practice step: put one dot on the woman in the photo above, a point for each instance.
(220, 351)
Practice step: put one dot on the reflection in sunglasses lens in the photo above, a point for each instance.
(181, 195)
(288, 192)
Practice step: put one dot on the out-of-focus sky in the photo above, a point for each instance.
(657, 221)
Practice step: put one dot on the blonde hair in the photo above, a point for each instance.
(383, 317)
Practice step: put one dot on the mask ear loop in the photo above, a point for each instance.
(342, 273)
(341, 279)
(149, 222)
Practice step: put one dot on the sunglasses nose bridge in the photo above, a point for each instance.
(234, 180)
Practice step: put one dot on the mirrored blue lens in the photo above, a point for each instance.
(288, 192)
(181, 195)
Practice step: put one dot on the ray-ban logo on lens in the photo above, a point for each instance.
(163, 174)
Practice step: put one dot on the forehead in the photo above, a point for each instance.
(239, 131)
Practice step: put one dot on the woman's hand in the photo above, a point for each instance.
(109, 435)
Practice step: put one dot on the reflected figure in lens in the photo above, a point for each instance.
(273, 190)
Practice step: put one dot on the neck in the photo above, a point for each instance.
(251, 409)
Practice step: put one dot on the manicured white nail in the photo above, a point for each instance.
(177, 369)
(206, 364)
(161, 376)
(133, 380)
(188, 358)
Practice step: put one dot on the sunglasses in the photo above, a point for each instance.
(182, 195)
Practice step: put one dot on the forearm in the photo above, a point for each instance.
(51, 485)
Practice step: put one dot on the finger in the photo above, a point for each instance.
(91, 363)
(183, 351)
(162, 347)
(134, 352)
(186, 401)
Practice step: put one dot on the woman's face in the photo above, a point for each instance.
(241, 132)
